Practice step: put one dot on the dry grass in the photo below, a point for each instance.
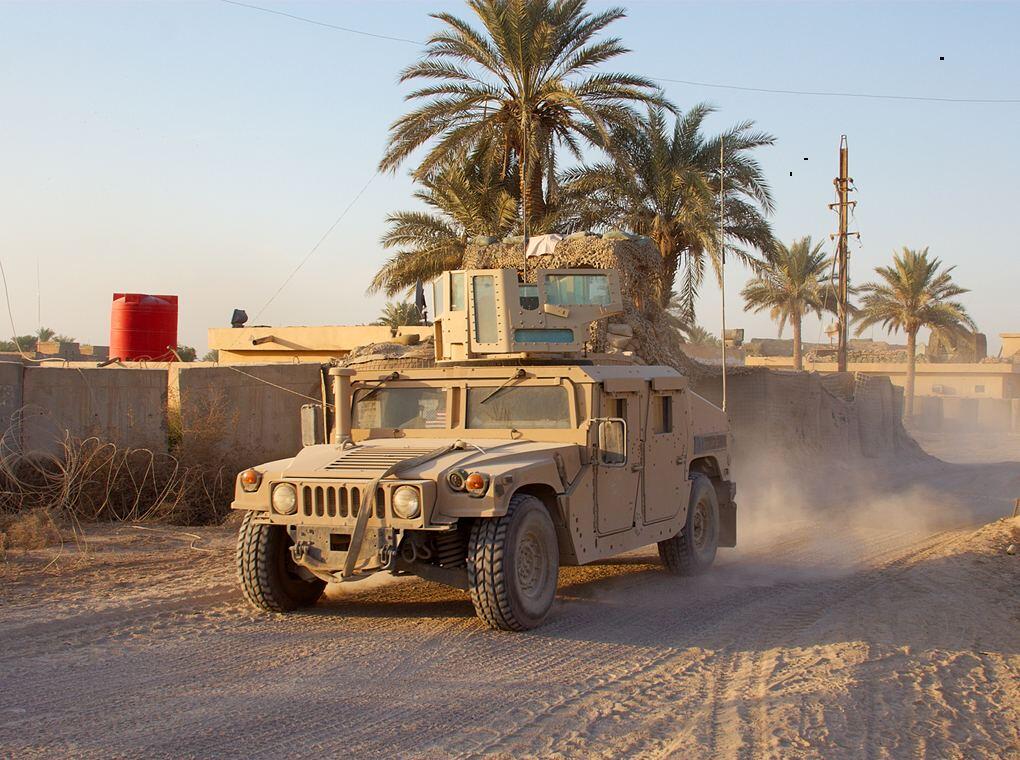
(89, 479)
(35, 529)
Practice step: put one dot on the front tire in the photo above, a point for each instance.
(268, 576)
(513, 565)
(692, 550)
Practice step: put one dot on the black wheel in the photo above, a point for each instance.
(268, 576)
(513, 565)
(692, 550)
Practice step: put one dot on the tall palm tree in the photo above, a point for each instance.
(914, 292)
(792, 283)
(469, 199)
(666, 185)
(398, 313)
(525, 84)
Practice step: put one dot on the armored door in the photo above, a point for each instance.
(618, 485)
(666, 488)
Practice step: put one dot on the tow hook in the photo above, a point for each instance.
(299, 550)
(388, 553)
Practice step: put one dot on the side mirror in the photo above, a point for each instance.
(311, 425)
(612, 442)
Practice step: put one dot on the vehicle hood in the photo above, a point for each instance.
(371, 458)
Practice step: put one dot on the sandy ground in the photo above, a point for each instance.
(872, 614)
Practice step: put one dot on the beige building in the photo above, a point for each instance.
(1000, 380)
(238, 345)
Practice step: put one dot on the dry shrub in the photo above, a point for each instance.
(35, 529)
(92, 479)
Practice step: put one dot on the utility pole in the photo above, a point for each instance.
(842, 183)
(722, 266)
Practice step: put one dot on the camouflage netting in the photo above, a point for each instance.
(383, 356)
(640, 267)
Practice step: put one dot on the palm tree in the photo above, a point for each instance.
(911, 294)
(792, 283)
(666, 185)
(691, 333)
(469, 200)
(399, 313)
(44, 334)
(524, 84)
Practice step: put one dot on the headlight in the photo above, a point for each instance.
(476, 484)
(285, 499)
(406, 502)
(250, 480)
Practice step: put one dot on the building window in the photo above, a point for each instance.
(979, 389)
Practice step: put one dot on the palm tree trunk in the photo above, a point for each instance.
(667, 250)
(798, 357)
(908, 393)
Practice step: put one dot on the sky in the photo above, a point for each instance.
(202, 148)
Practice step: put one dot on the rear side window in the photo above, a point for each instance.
(662, 414)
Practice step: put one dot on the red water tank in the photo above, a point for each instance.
(142, 326)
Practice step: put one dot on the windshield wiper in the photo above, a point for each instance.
(379, 385)
(518, 375)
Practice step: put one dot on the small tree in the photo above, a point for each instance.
(399, 313)
(186, 353)
(791, 284)
(914, 292)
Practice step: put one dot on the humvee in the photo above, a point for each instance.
(517, 453)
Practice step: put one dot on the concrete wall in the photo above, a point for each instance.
(799, 412)
(126, 407)
(243, 415)
(12, 394)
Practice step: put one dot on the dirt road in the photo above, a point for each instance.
(863, 617)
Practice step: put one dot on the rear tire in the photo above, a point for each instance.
(268, 576)
(513, 565)
(692, 550)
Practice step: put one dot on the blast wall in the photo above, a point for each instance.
(122, 406)
(246, 414)
(806, 413)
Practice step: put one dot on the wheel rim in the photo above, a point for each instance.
(699, 526)
(531, 565)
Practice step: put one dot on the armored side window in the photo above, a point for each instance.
(437, 296)
(484, 291)
(457, 291)
(529, 296)
(577, 290)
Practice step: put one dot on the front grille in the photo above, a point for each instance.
(338, 501)
(374, 458)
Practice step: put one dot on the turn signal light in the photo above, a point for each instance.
(476, 484)
(250, 480)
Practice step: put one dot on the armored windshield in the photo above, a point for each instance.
(400, 408)
(524, 407)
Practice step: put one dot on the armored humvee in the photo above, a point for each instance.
(517, 453)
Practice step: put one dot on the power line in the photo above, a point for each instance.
(347, 29)
(834, 94)
(689, 82)
(315, 247)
